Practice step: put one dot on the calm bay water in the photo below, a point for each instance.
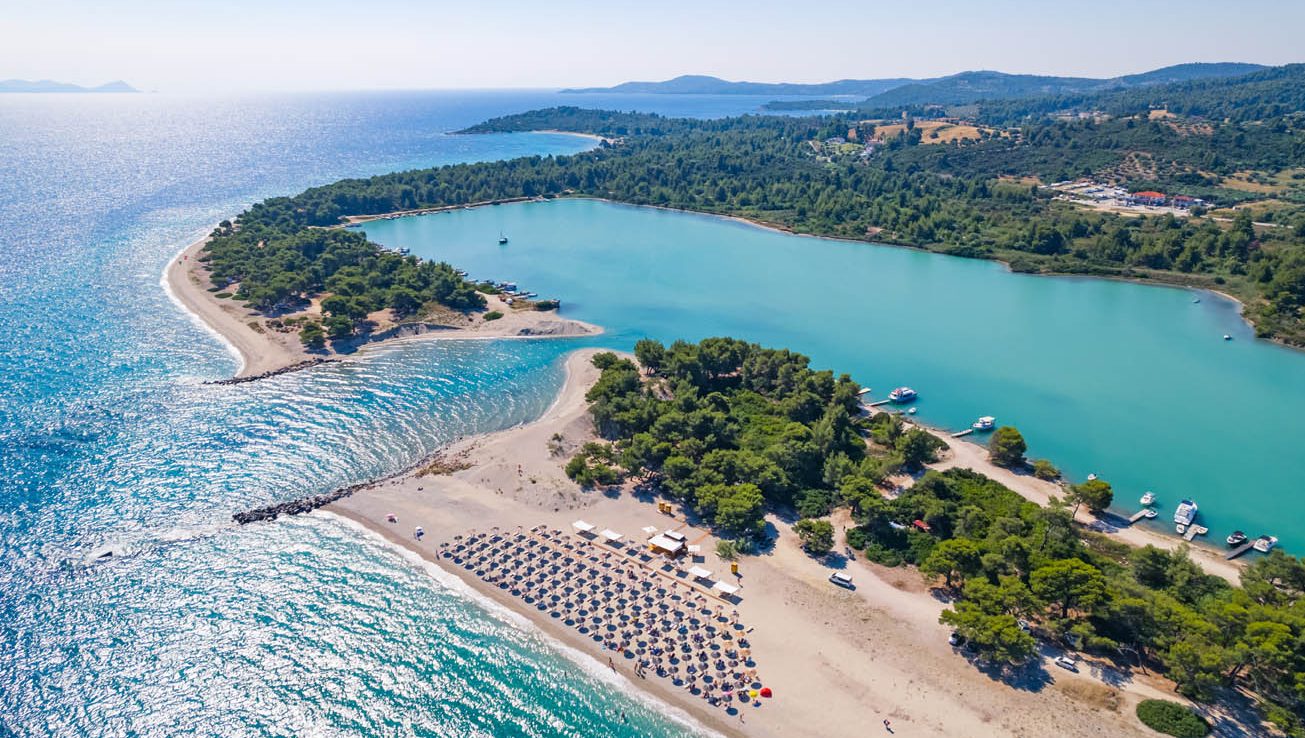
(107, 437)
(1130, 382)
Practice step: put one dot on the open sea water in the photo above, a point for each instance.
(109, 438)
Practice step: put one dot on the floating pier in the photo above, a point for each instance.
(962, 434)
(1138, 515)
(1194, 531)
(877, 404)
(1240, 550)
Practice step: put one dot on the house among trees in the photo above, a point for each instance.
(1148, 197)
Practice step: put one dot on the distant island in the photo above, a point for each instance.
(697, 84)
(46, 85)
(959, 88)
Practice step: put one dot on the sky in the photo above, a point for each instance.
(257, 45)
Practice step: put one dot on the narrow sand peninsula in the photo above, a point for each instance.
(839, 662)
(264, 350)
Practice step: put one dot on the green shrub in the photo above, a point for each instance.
(727, 549)
(1172, 718)
(1043, 469)
(856, 538)
(493, 315)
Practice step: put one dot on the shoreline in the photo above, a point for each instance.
(262, 352)
(504, 613)
(835, 658)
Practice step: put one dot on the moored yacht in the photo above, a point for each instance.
(1264, 544)
(902, 394)
(986, 423)
(1184, 515)
(1148, 498)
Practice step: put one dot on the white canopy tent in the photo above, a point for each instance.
(583, 527)
(700, 572)
(611, 535)
(695, 549)
(650, 529)
(725, 588)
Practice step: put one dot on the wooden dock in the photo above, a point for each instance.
(1240, 550)
(1194, 531)
(962, 434)
(1138, 516)
(877, 404)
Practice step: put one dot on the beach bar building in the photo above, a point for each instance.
(670, 543)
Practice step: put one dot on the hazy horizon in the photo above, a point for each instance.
(242, 45)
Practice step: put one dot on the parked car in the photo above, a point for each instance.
(1067, 663)
(1024, 625)
(955, 639)
(842, 580)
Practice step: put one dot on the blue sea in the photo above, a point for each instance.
(109, 438)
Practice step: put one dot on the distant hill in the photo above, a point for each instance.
(1260, 95)
(697, 84)
(969, 87)
(45, 85)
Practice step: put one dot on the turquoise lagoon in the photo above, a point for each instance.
(1131, 382)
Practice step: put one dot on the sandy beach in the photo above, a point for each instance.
(263, 350)
(840, 662)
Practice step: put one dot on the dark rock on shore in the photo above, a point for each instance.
(305, 364)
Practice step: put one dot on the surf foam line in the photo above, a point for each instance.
(589, 664)
(194, 317)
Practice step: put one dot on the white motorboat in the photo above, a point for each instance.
(986, 423)
(1264, 544)
(1237, 538)
(1147, 499)
(1184, 515)
(902, 394)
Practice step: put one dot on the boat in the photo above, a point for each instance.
(986, 423)
(1196, 300)
(902, 394)
(1148, 498)
(1150, 514)
(1236, 539)
(1092, 477)
(502, 239)
(1184, 515)
(401, 251)
(911, 411)
(1264, 544)
(1227, 337)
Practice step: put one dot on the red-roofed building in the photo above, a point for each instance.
(1147, 198)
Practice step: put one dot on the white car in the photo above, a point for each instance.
(1067, 663)
(842, 580)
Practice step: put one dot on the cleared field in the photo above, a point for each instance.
(933, 131)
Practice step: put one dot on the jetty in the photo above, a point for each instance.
(1138, 515)
(1195, 530)
(877, 404)
(1240, 550)
(962, 434)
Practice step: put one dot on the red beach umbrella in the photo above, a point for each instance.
(765, 692)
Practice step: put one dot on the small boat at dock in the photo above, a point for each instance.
(1265, 544)
(1236, 538)
(502, 239)
(986, 423)
(902, 394)
(1148, 498)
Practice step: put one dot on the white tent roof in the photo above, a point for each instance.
(611, 535)
(700, 572)
(695, 549)
(583, 526)
(728, 589)
(667, 544)
(650, 529)
(674, 535)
